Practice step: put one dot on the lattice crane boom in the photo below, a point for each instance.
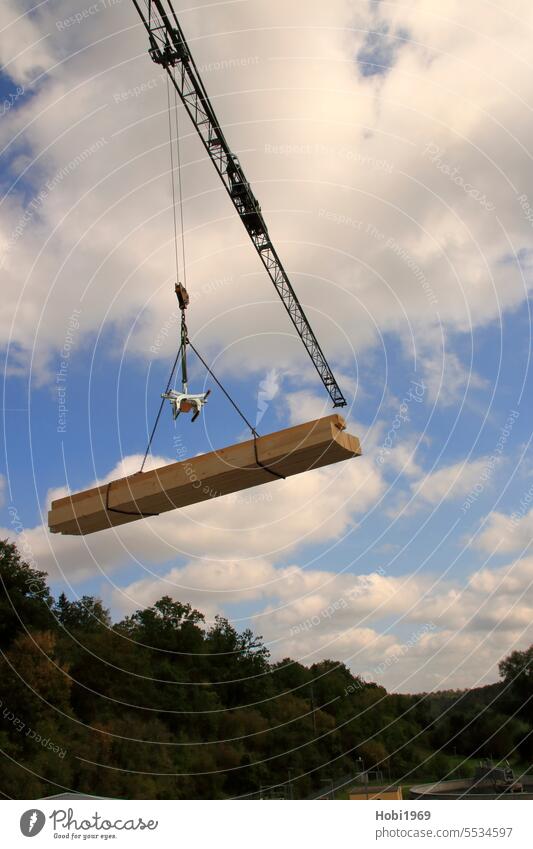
(169, 48)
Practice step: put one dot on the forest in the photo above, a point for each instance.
(162, 705)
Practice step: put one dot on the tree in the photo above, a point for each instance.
(240, 659)
(25, 599)
(161, 706)
(168, 625)
(289, 675)
(35, 699)
(85, 614)
(517, 672)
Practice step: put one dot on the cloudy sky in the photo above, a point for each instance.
(389, 146)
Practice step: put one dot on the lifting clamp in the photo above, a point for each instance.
(184, 401)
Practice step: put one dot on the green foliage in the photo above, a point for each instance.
(25, 599)
(517, 673)
(85, 614)
(160, 705)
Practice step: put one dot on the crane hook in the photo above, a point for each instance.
(184, 401)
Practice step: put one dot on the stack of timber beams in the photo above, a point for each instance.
(278, 455)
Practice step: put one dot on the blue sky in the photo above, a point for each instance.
(372, 161)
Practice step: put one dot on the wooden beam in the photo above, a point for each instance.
(208, 476)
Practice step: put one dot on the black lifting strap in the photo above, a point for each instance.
(182, 351)
(125, 512)
(260, 464)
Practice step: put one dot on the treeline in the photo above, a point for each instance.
(161, 705)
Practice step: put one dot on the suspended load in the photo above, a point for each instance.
(258, 461)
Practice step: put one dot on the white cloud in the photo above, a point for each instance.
(449, 482)
(336, 212)
(504, 534)
(445, 484)
(412, 632)
(381, 236)
(446, 377)
(27, 55)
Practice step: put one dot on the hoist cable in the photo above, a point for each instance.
(226, 393)
(255, 434)
(169, 384)
(173, 182)
(182, 352)
(180, 190)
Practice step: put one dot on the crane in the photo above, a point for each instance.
(169, 48)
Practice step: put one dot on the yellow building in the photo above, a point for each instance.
(382, 793)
